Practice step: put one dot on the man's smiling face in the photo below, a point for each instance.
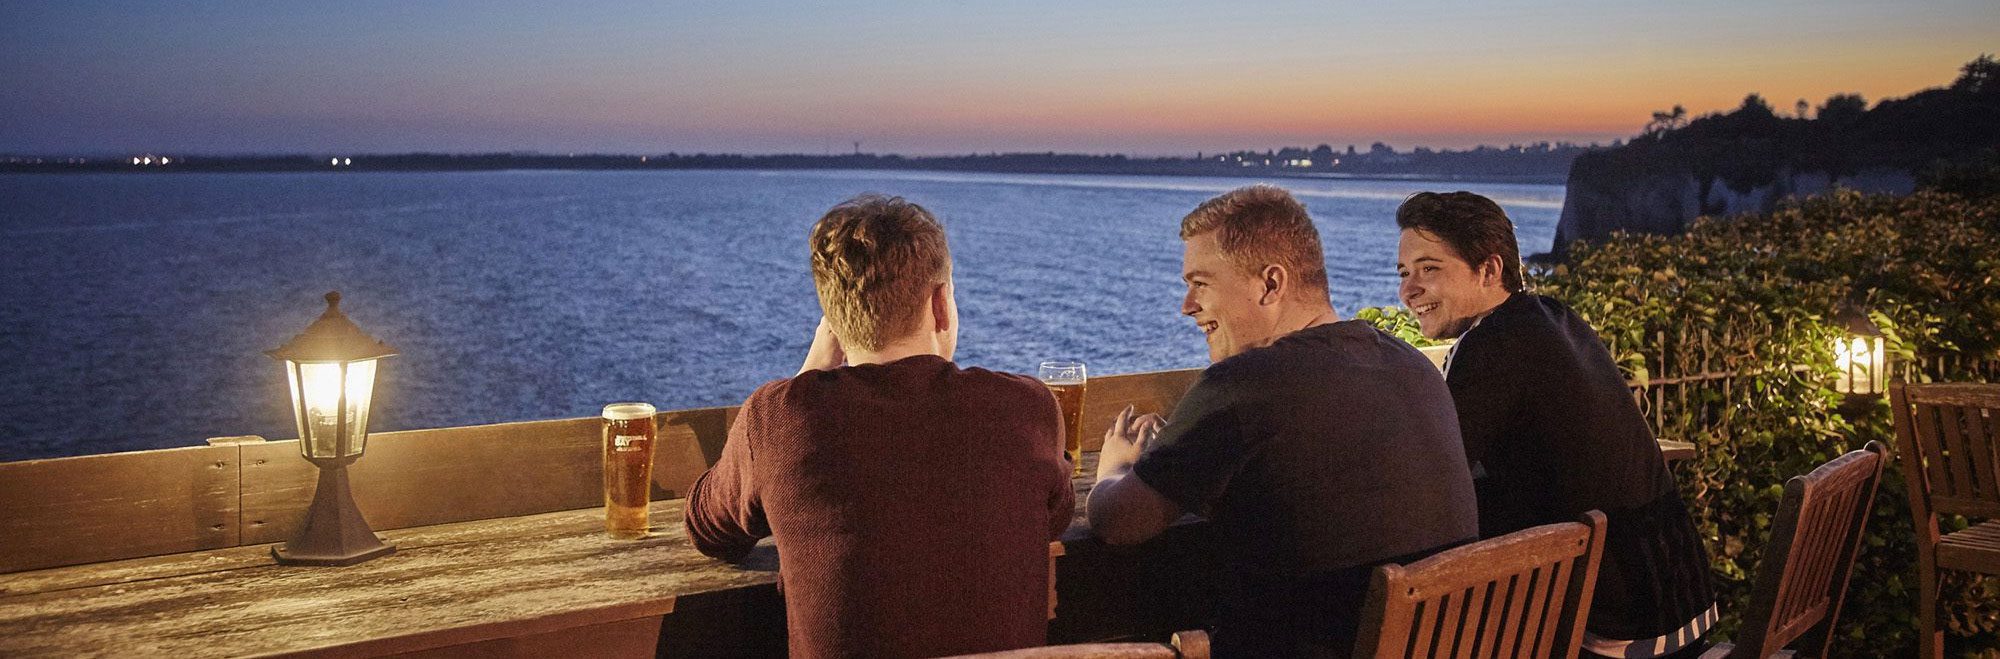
(1444, 291)
(1226, 303)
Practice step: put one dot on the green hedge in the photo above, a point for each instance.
(1766, 288)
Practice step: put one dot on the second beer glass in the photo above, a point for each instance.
(628, 468)
(1067, 379)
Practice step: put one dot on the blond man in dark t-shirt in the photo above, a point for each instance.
(1318, 448)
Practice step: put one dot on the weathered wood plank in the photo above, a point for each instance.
(66, 511)
(420, 477)
(424, 477)
(505, 578)
(689, 441)
(1150, 393)
(633, 630)
(1961, 394)
(638, 637)
(666, 519)
(1675, 451)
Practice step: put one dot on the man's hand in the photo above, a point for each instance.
(1125, 441)
(825, 353)
(1122, 509)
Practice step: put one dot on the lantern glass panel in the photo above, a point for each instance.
(320, 418)
(1861, 364)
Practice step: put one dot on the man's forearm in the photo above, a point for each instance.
(711, 525)
(1123, 510)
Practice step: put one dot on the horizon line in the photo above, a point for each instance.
(1198, 154)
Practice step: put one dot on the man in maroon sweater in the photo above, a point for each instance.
(912, 501)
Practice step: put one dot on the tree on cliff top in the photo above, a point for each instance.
(1755, 107)
(1666, 121)
(1842, 109)
(1977, 76)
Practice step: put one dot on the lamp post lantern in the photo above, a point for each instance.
(331, 370)
(1859, 355)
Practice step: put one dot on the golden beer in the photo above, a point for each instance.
(1067, 381)
(628, 468)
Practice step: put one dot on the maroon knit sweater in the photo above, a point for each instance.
(912, 502)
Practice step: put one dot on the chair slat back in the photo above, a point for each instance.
(1947, 435)
(1192, 644)
(1524, 594)
(1806, 566)
(1084, 651)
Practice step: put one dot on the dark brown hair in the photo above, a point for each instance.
(875, 259)
(1262, 225)
(1472, 225)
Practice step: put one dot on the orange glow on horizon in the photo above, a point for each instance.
(1534, 98)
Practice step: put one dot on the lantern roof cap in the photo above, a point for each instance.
(332, 338)
(1855, 321)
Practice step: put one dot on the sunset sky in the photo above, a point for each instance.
(1154, 78)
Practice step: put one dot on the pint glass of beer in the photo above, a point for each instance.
(1066, 379)
(628, 468)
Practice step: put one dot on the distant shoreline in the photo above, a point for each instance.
(1541, 163)
(1259, 173)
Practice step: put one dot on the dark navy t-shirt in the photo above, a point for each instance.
(1330, 451)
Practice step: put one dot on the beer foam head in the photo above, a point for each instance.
(1061, 372)
(628, 411)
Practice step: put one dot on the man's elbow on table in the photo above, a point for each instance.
(1126, 511)
(714, 543)
(711, 527)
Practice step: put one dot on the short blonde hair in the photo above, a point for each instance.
(1262, 225)
(875, 259)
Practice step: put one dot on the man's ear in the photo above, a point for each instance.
(940, 308)
(1276, 282)
(1491, 271)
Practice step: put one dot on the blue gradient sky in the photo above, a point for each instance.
(929, 77)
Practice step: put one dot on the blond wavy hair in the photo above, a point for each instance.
(875, 260)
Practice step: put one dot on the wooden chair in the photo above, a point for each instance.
(1946, 437)
(1186, 645)
(1803, 579)
(1524, 594)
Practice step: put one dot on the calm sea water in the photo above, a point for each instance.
(135, 309)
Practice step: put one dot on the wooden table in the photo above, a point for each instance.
(1676, 451)
(505, 580)
(531, 585)
(526, 585)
